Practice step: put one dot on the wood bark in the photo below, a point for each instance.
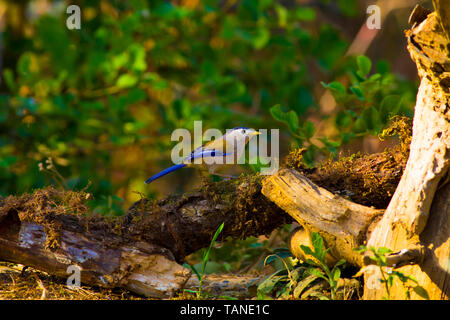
(142, 251)
(140, 267)
(343, 224)
(418, 214)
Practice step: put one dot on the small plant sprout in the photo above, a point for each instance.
(389, 274)
(201, 275)
(320, 268)
(51, 170)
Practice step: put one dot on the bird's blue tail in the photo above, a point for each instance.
(164, 172)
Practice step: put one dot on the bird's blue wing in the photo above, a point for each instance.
(204, 153)
(197, 153)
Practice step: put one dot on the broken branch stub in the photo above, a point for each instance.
(342, 223)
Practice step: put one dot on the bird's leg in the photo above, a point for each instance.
(226, 176)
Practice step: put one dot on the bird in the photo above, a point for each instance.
(228, 147)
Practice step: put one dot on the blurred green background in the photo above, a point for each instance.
(103, 101)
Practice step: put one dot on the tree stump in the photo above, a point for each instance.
(418, 214)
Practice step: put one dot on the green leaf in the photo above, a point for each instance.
(283, 252)
(421, 292)
(301, 286)
(9, 79)
(402, 277)
(317, 243)
(260, 38)
(336, 274)
(191, 291)
(317, 273)
(277, 113)
(383, 250)
(390, 280)
(335, 86)
(292, 120)
(307, 250)
(126, 81)
(383, 67)
(291, 117)
(358, 92)
(305, 14)
(375, 77)
(284, 292)
(312, 262)
(339, 263)
(364, 64)
(228, 298)
(309, 129)
(282, 15)
(361, 249)
(338, 90)
(205, 258)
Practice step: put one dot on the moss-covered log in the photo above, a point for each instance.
(51, 229)
(186, 223)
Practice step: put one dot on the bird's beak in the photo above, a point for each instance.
(255, 133)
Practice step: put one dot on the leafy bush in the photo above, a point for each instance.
(102, 101)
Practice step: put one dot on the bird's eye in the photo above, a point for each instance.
(243, 130)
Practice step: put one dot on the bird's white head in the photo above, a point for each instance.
(240, 135)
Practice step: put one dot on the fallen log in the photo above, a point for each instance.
(140, 267)
(48, 230)
(142, 251)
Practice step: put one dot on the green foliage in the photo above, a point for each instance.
(200, 276)
(320, 268)
(283, 281)
(292, 280)
(365, 107)
(388, 275)
(102, 101)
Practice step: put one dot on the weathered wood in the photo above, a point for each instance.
(418, 213)
(142, 250)
(342, 223)
(186, 223)
(142, 268)
(227, 285)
